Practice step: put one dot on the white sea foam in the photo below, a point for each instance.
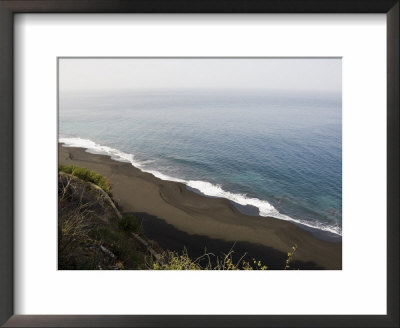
(206, 188)
(94, 148)
(264, 207)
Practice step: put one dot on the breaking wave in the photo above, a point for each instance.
(204, 187)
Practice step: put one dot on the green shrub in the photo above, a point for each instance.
(120, 245)
(87, 175)
(129, 223)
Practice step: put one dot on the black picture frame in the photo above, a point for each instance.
(10, 7)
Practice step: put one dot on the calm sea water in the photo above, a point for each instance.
(278, 153)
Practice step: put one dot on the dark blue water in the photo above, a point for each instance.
(279, 152)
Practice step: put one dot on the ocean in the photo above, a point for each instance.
(270, 153)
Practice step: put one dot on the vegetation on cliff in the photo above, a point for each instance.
(94, 235)
(91, 235)
(87, 175)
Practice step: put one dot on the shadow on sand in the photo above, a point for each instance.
(168, 237)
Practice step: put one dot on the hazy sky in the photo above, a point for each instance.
(135, 73)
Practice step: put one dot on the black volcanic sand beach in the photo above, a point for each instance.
(176, 217)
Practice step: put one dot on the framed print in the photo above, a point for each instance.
(195, 164)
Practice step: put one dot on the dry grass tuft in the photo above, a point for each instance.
(208, 261)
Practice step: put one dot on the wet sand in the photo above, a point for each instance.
(177, 217)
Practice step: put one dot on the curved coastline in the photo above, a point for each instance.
(246, 205)
(195, 214)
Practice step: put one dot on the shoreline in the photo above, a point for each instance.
(324, 232)
(206, 219)
(251, 210)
